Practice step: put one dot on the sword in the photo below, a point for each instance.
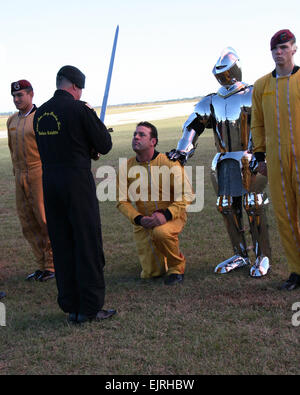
(108, 80)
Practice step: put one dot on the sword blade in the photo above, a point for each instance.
(108, 80)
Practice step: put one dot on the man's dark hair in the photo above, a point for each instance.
(154, 134)
(62, 81)
(28, 90)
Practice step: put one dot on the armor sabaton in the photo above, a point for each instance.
(233, 171)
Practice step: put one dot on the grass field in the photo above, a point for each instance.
(213, 324)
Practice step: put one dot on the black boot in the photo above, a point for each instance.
(292, 283)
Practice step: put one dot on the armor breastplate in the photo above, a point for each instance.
(230, 119)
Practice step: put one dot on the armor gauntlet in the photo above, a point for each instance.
(185, 147)
(253, 165)
(177, 155)
(187, 144)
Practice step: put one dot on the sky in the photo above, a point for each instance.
(166, 48)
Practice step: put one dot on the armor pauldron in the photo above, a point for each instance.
(203, 107)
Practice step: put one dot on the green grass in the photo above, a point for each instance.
(213, 324)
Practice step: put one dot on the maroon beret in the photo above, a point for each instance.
(281, 37)
(19, 85)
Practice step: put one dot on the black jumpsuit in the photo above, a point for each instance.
(67, 130)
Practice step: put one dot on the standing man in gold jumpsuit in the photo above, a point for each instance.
(27, 169)
(276, 132)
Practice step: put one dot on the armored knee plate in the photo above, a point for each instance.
(231, 210)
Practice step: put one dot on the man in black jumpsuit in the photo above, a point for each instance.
(67, 132)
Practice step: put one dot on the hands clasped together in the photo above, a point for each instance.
(156, 219)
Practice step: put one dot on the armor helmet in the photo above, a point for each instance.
(227, 70)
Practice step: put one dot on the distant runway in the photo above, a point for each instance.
(155, 112)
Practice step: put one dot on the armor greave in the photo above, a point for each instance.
(255, 207)
(231, 210)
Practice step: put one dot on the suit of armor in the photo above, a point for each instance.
(234, 176)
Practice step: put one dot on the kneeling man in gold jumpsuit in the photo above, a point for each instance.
(161, 193)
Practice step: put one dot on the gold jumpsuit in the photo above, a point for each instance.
(158, 248)
(275, 129)
(27, 169)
